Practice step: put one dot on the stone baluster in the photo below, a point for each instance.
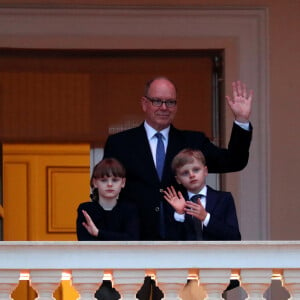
(45, 282)
(291, 281)
(128, 282)
(87, 282)
(214, 282)
(171, 282)
(255, 282)
(9, 279)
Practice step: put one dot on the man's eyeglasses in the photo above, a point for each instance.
(158, 102)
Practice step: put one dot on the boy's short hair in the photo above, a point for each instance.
(186, 156)
(108, 167)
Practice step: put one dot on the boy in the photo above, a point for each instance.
(211, 216)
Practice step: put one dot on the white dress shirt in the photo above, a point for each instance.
(245, 126)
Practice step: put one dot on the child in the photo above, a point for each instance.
(211, 217)
(107, 218)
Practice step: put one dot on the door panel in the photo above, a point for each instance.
(43, 185)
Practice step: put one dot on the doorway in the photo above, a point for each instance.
(67, 101)
(81, 96)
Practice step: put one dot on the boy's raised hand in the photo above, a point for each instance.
(176, 200)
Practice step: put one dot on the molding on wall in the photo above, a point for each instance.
(242, 33)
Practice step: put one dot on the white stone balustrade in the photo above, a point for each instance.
(86, 282)
(291, 281)
(214, 281)
(171, 282)
(211, 263)
(128, 282)
(255, 282)
(9, 280)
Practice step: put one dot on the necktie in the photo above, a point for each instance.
(160, 160)
(197, 223)
(160, 154)
(196, 197)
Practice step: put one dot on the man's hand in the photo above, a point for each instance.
(176, 200)
(241, 101)
(89, 225)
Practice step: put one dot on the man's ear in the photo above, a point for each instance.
(143, 103)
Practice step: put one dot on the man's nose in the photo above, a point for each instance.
(163, 106)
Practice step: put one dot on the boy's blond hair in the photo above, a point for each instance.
(186, 156)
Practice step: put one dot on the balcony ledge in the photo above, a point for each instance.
(149, 255)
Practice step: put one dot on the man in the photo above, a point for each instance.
(136, 150)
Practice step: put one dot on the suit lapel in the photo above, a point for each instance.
(211, 199)
(174, 146)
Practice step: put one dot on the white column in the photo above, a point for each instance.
(255, 282)
(87, 282)
(291, 281)
(45, 282)
(128, 282)
(214, 282)
(171, 282)
(9, 280)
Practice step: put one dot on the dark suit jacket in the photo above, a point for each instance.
(132, 149)
(223, 224)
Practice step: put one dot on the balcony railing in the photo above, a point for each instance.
(212, 264)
